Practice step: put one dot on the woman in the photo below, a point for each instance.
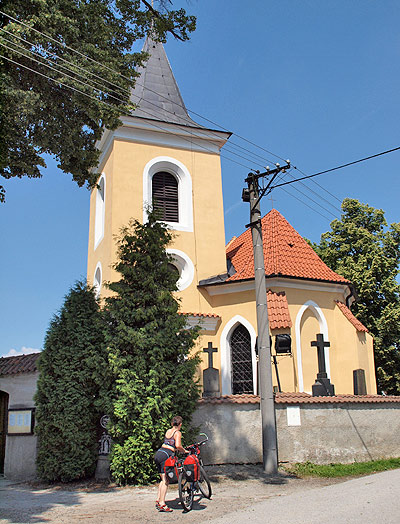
(172, 442)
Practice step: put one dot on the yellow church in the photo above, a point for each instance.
(159, 154)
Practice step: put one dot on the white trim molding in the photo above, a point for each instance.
(146, 131)
(323, 328)
(185, 267)
(185, 197)
(206, 323)
(97, 279)
(226, 365)
(100, 210)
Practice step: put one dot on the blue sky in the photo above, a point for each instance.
(313, 81)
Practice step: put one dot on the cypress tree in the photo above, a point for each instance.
(69, 399)
(149, 351)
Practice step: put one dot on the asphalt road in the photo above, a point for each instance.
(367, 500)
(241, 494)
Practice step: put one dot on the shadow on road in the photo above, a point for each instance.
(23, 503)
(242, 472)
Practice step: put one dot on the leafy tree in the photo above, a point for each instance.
(71, 388)
(149, 348)
(363, 249)
(48, 45)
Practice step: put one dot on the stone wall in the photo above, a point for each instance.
(317, 429)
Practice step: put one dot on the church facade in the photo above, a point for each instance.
(161, 156)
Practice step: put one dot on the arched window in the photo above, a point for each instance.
(241, 361)
(167, 186)
(97, 280)
(100, 211)
(165, 196)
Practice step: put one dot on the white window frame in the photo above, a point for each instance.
(100, 212)
(226, 361)
(185, 198)
(185, 267)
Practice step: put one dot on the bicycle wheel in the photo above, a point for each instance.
(204, 484)
(186, 491)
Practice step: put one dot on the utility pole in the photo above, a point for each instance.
(253, 195)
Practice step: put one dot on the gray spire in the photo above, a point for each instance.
(156, 92)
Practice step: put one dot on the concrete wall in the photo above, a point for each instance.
(344, 432)
(20, 454)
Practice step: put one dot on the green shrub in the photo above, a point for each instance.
(73, 375)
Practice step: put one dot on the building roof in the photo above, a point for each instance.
(286, 254)
(278, 310)
(156, 91)
(350, 317)
(19, 364)
(301, 398)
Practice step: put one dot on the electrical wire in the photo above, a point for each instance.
(150, 90)
(127, 114)
(124, 101)
(338, 167)
(112, 96)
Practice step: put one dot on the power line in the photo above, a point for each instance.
(101, 88)
(112, 96)
(127, 114)
(138, 83)
(337, 167)
(125, 77)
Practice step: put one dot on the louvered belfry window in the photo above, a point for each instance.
(242, 369)
(165, 196)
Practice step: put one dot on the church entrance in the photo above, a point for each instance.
(3, 428)
(242, 366)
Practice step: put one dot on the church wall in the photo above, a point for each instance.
(318, 432)
(204, 244)
(104, 249)
(342, 359)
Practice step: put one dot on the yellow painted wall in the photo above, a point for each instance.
(124, 200)
(124, 169)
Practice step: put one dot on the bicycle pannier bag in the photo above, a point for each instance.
(191, 467)
(171, 470)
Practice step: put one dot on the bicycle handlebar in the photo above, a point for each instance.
(198, 443)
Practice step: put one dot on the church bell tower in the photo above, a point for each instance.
(161, 155)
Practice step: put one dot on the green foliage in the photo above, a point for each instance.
(43, 116)
(71, 387)
(363, 249)
(308, 469)
(149, 348)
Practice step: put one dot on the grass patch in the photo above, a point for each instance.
(308, 469)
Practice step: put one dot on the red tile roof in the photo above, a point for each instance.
(286, 253)
(278, 310)
(19, 364)
(300, 398)
(349, 315)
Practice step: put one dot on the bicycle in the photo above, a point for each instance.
(188, 488)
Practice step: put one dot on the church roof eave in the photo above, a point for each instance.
(220, 287)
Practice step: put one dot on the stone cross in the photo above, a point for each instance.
(210, 375)
(322, 386)
(210, 350)
(321, 345)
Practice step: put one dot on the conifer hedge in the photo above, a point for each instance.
(149, 352)
(72, 382)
